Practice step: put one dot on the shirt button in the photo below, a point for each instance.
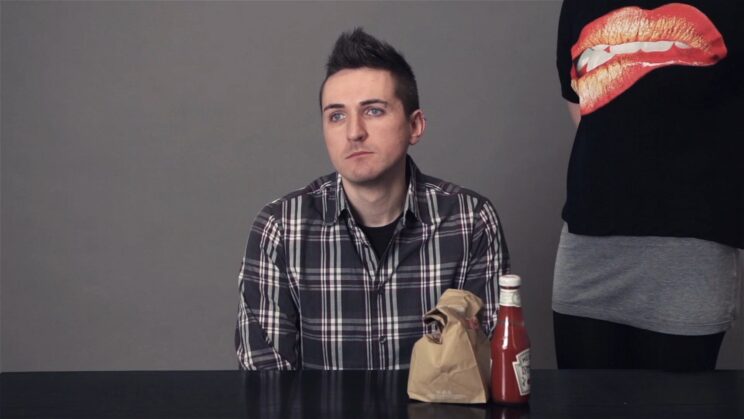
(382, 339)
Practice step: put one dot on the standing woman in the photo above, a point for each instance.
(646, 269)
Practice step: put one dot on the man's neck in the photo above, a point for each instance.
(379, 204)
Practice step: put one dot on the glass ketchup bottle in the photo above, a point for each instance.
(510, 347)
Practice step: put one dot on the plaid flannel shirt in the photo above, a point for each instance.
(313, 294)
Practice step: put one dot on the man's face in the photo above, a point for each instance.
(366, 129)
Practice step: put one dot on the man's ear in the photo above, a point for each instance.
(418, 126)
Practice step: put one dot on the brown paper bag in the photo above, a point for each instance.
(452, 365)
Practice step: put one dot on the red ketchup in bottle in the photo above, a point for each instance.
(510, 347)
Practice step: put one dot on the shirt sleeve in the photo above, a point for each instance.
(266, 335)
(489, 259)
(563, 51)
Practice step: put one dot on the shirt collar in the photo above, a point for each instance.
(415, 203)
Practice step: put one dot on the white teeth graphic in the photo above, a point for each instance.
(583, 59)
(593, 57)
(656, 46)
(597, 58)
(627, 48)
(597, 55)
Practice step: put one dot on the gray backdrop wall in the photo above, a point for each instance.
(139, 140)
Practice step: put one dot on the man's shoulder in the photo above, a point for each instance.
(448, 190)
(443, 200)
(308, 197)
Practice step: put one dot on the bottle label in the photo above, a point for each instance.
(522, 371)
(510, 298)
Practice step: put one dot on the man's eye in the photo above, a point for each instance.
(336, 116)
(375, 112)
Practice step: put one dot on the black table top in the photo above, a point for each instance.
(361, 394)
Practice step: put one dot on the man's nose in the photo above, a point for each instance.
(355, 129)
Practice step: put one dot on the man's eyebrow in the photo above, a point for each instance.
(373, 101)
(333, 106)
(362, 103)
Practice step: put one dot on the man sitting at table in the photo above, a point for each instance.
(339, 274)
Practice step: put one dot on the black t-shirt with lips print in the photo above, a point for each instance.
(659, 150)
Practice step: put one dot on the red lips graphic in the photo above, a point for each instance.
(617, 49)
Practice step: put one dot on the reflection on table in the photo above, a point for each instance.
(361, 394)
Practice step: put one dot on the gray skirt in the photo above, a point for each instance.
(681, 286)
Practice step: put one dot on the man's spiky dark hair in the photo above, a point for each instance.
(358, 49)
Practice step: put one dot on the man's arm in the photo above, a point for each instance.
(489, 259)
(266, 335)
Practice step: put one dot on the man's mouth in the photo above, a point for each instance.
(358, 154)
(616, 50)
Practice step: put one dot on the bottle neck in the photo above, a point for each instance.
(509, 297)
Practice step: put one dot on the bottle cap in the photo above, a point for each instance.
(510, 281)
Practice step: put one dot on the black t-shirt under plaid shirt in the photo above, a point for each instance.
(313, 294)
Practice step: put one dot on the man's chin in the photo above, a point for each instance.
(362, 179)
(368, 176)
